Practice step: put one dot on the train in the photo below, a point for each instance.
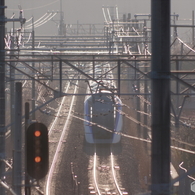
(103, 120)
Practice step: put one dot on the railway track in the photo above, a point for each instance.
(105, 173)
(57, 134)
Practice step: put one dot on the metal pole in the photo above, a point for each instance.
(160, 76)
(119, 78)
(176, 100)
(145, 130)
(77, 27)
(27, 183)
(193, 28)
(138, 106)
(17, 164)
(12, 86)
(61, 26)
(60, 73)
(33, 65)
(2, 92)
(136, 76)
(94, 67)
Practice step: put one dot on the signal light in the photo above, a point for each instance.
(37, 152)
(37, 159)
(37, 133)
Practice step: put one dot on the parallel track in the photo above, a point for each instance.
(57, 134)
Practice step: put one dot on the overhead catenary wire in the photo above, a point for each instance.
(29, 20)
(185, 44)
(30, 25)
(45, 20)
(117, 16)
(77, 114)
(35, 7)
(132, 137)
(104, 15)
(40, 24)
(108, 11)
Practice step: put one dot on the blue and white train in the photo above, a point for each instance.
(103, 119)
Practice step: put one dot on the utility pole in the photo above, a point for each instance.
(160, 76)
(12, 84)
(33, 65)
(2, 92)
(61, 25)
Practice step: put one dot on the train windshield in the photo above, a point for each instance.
(103, 116)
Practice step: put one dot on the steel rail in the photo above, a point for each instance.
(59, 110)
(94, 173)
(113, 175)
(52, 167)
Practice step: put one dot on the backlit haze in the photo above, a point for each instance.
(88, 11)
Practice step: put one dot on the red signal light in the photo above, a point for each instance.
(37, 159)
(37, 133)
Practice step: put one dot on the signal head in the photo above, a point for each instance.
(37, 152)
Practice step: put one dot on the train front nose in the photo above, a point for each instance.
(103, 117)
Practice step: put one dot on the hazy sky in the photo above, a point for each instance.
(90, 11)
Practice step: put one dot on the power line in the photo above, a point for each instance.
(35, 7)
